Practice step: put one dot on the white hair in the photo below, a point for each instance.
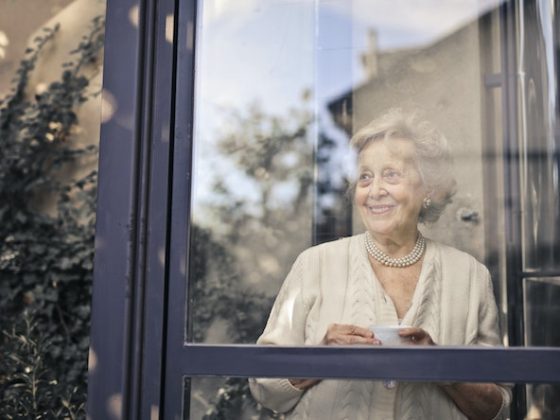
(433, 156)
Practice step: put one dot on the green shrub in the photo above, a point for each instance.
(46, 259)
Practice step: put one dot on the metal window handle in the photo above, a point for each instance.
(467, 215)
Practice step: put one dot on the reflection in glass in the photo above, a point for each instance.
(542, 311)
(543, 401)
(542, 315)
(538, 127)
(280, 88)
(219, 398)
(254, 154)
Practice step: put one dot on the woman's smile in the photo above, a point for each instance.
(380, 209)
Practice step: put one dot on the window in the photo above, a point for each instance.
(265, 99)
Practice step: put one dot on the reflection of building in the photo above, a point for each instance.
(445, 87)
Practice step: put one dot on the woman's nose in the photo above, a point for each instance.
(377, 188)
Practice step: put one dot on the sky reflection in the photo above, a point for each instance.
(268, 53)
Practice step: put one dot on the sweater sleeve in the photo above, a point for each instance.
(489, 331)
(488, 325)
(285, 327)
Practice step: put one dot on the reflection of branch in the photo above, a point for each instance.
(304, 185)
(196, 395)
(265, 197)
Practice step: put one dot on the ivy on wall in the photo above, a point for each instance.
(46, 257)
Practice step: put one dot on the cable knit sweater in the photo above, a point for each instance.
(334, 283)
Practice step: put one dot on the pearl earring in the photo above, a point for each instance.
(427, 202)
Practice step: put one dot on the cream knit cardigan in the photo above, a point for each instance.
(334, 283)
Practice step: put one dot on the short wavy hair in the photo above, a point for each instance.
(433, 156)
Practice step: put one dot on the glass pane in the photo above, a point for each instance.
(542, 311)
(272, 162)
(230, 398)
(543, 401)
(254, 164)
(496, 201)
(51, 58)
(281, 87)
(538, 132)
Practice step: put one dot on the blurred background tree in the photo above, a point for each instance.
(243, 238)
(256, 219)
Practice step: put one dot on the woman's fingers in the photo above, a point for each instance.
(351, 330)
(417, 336)
(348, 330)
(349, 334)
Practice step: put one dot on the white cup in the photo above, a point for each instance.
(389, 335)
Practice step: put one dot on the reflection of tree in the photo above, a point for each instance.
(271, 151)
(541, 318)
(334, 213)
(245, 239)
(263, 216)
(257, 227)
(216, 294)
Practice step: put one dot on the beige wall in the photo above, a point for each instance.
(443, 83)
(18, 20)
(75, 21)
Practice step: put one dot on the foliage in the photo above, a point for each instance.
(265, 211)
(46, 259)
(32, 384)
(251, 239)
(216, 293)
(246, 230)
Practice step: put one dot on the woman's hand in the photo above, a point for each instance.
(303, 384)
(417, 336)
(345, 334)
(476, 401)
(339, 334)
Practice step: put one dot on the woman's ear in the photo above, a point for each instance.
(428, 199)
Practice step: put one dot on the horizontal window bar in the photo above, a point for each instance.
(473, 364)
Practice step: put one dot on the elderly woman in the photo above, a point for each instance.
(389, 275)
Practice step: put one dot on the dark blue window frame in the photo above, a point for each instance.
(140, 298)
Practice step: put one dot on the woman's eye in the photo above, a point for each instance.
(392, 175)
(365, 177)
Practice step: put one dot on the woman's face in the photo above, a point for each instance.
(389, 191)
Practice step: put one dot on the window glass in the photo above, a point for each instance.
(223, 397)
(280, 88)
(283, 90)
(541, 297)
(254, 141)
(538, 134)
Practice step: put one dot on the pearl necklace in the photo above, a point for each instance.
(401, 262)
